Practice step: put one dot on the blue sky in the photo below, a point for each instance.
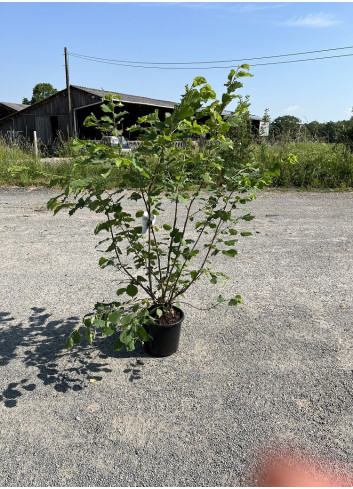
(33, 37)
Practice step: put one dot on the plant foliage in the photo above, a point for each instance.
(40, 92)
(178, 164)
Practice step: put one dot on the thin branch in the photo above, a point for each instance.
(183, 290)
(128, 237)
(170, 244)
(122, 267)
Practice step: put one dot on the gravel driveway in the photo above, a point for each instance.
(275, 370)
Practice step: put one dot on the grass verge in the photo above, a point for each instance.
(320, 166)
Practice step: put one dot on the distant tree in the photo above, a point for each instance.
(40, 92)
(346, 134)
(286, 125)
(315, 130)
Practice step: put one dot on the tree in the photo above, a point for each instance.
(287, 125)
(40, 92)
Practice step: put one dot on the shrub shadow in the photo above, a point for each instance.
(137, 356)
(40, 344)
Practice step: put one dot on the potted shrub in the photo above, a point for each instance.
(177, 163)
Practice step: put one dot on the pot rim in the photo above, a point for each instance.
(182, 315)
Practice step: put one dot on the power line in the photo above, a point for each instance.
(206, 62)
(299, 60)
(112, 62)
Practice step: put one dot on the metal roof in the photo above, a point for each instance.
(15, 107)
(143, 100)
(134, 99)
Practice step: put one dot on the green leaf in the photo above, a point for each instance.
(142, 334)
(243, 73)
(141, 279)
(224, 127)
(139, 214)
(231, 253)
(119, 345)
(106, 174)
(69, 343)
(126, 320)
(234, 120)
(99, 323)
(121, 291)
(220, 298)
(244, 233)
(131, 290)
(130, 346)
(107, 108)
(159, 312)
(89, 335)
(102, 260)
(114, 316)
(248, 217)
(235, 301)
(76, 337)
(107, 331)
(230, 242)
(185, 112)
(196, 128)
(125, 336)
(88, 322)
(167, 227)
(226, 98)
(135, 196)
(199, 80)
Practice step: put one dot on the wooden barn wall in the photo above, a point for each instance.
(80, 99)
(63, 124)
(50, 118)
(29, 124)
(22, 123)
(43, 128)
(39, 119)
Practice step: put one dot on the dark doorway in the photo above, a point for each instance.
(54, 121)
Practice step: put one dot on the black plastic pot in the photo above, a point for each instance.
(165, 338)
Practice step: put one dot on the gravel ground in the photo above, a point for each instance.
(273, 371)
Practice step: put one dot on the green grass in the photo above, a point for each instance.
(320, 166)
(15, 154)
(22, 156)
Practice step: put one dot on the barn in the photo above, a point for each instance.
(8, 108)
(49, 117)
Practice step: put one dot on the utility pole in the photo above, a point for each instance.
(68, 92)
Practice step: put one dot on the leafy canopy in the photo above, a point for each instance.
(192, 219)
(40, 92)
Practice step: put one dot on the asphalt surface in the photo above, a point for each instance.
(274, 371)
